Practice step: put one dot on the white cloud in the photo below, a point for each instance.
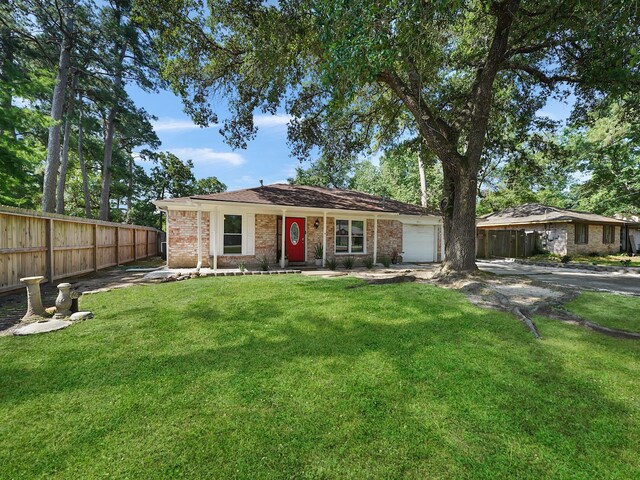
(181, 124)
(549, 115)
(174, 125)
(267, 121)
(208, 156)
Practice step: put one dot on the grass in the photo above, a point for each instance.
(613, 311)
(298, 377)
(606, 260)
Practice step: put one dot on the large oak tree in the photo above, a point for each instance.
(357, 73)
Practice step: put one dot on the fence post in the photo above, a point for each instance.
(117, 245)
(95, 247)
(146, 244)
(135, 244)
(50, 240)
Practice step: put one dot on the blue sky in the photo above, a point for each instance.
(267, 157)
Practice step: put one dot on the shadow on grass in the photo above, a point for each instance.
(415, 372)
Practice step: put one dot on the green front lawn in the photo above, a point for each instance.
(613, 311)
(295, 377)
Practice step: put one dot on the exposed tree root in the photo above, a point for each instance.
(527, 321)
(385, 280)
(564, 316)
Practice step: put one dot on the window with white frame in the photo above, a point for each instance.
(350, 236)
(232, 242)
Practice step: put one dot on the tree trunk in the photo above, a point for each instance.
(57, 106)
(64, 162)
(130, 185)
(83, 167)
(7, 63)
(108, 143)
(106, 166)
(459, 216)
(423, 180)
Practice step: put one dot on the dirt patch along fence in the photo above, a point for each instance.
(506, 243)
(58, 246)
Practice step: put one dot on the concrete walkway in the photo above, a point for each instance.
(625, 283)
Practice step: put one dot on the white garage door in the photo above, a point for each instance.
(418, 243)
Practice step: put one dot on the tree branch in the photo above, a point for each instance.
(539, 74)
(427, 122)
(483, 95)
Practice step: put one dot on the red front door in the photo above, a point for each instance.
(294, 229)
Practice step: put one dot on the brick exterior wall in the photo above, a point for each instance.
(595, 244)
(389, 237)
(183, 241)
(561, 238)
(265, 244)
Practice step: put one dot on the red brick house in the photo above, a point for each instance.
(222, 230)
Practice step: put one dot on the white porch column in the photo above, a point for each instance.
(375, 239)
(282, 254)
(214, 238)
(166, 238)
(199, 264)
(324, 239)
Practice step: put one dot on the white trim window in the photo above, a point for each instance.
(232, 240)
(350, 236)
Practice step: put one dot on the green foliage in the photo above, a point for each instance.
(331, 263)
(609, 157)
(208, 185)
(348, 263)
(318, 251)
(565, 258)
(385, 261)
(264, 263)
(367, 262)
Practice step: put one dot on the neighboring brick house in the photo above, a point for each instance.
(222, 230)
(561, 231)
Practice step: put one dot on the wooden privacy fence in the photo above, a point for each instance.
(58, 246)
(505, 243)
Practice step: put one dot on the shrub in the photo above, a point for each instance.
(242, 266)
(332, 264)
(368, 262)
(386, 261)
(593, 254)
(348, 263)
(565, 259)
(395, 256)
(317, 251)
(264, 263)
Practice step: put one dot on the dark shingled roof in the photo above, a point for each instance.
(537, 213)
(281, 194)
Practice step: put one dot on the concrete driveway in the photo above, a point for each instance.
(626, 283)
